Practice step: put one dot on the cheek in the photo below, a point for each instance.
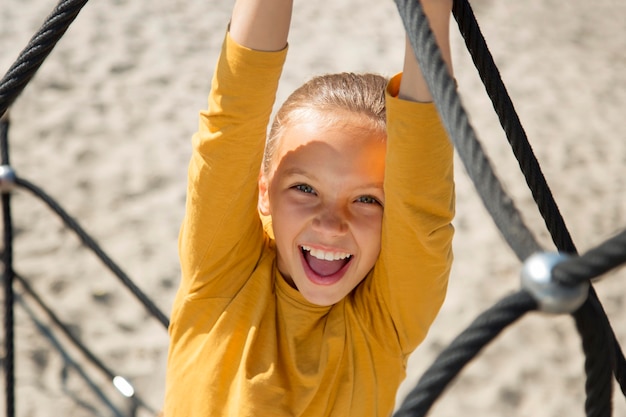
(369, 230)
(286, 217)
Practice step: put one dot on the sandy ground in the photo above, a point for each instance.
(105, 129)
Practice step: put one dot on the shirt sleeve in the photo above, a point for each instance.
(221, 236)
(409, 281)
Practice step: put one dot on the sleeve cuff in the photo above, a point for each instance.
(396, 106)
(237, 54)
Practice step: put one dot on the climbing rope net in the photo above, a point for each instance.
(556, 282)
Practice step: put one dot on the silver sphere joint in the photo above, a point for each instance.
(7, 179)
(551, 296)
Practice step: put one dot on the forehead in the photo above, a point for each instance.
(337, 129)
(345, 148)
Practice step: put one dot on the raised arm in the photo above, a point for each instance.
(222, 236)
(412, 272)
(261, 24)
(413, 86)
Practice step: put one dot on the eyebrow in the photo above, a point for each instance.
(299, 171)
(296, 170)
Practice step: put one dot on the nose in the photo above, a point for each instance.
(331, 221)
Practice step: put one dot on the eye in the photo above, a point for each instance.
(368, 199)
(304, 188)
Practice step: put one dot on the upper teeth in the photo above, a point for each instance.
(325, 255)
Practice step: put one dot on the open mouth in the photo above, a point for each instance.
(326, 265)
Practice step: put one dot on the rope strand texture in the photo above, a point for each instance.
(8, 279)
(512, 126)
(595, 262)
(91, 244)
(497, 202)
(594, 329)
(9, 320)
(37, 50)
(510, 122)
(69, 362)
(464, 348)
(74, 339)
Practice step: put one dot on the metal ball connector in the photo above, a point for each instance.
(7, 179)
(551, 296)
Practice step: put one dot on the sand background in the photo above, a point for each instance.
(105, 129)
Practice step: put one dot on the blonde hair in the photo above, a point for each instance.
(330, 98)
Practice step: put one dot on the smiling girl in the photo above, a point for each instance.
(316, 313)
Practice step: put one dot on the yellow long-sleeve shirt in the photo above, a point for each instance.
(243, 342)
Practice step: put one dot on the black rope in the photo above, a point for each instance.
(5, 122)
(576, 270)
(8, 278)
(495, 199)
(618, 363)
(36, 51)
(64, 329)
(11, 86)
(595, 262)
(455, 120)
(69, 362)
(72, 338)
(91, 244)
(464, 348)
(476, 163)
(510, 122)
(593, 329)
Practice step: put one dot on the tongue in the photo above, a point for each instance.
(324, 268)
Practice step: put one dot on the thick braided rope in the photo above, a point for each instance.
(8, 279)
(9, 320)
(593, 330)
(91, 244)
(38, 48)
(455, 121)
(66, 331)
(595, 262)
(28, 289)
(510, 122)
(618, 362)
(498, 203)
(68, 360)
(464, 348)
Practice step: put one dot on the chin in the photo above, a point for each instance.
(321, 299)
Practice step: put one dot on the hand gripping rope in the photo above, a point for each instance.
(557, 283)
(553, 283)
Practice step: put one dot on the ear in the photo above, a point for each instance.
(264, 201)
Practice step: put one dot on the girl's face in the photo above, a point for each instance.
(325, 195)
